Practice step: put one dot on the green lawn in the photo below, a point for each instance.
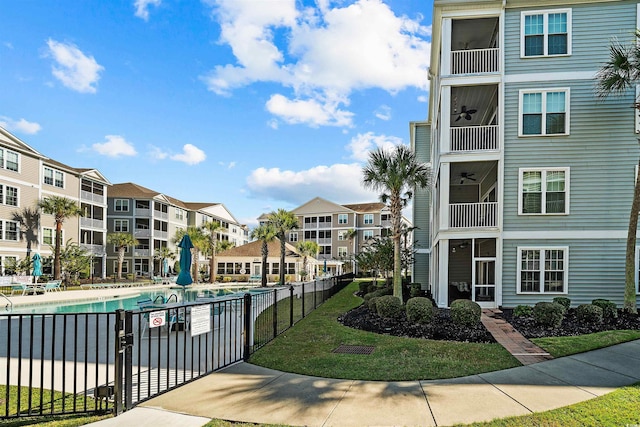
(308, 348)
(566, 346)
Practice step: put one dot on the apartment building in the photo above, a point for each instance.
(339, 230)
(533, 174)
(154, 218)
(26, 177)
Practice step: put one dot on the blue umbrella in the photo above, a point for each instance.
(324, 267)
(184, 278)
(37, 266)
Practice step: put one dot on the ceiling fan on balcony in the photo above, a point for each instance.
(466, 114)
(469, 176)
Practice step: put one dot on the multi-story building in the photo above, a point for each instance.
(26, 177)
(339, 230)
(533, 174)
(154, 218)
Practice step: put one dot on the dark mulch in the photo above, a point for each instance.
(440, 328)
(528, 327)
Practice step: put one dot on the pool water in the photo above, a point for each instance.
(130, 302)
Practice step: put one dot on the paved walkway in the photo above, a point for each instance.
(248, 393)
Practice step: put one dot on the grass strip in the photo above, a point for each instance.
(307, 349)
(618, 408)
(566, 346)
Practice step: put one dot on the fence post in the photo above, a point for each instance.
(247, 327)
(303, 300)
(119, 357)
(315, 295)
(128, 360)
(291, 306)
(275, 313)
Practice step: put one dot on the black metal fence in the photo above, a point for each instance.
(54, 364)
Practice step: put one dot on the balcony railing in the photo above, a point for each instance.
(160, 215)
(475, 61)
(474, 138)
(473, 215)
(141, 252)
(160, 234)
(92, 223)
(142, 232)
(91, 197)
(143, 212)
(96, 250)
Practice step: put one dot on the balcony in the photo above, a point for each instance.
(91, 197)
(143, 212)
(158, 234)
(95, 250)
(160, 215)
(91, 223)
(142, 232)
(141, 252)
(473, 215)
(474, 138)
(475, 61)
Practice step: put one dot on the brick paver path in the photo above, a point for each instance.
(520, 347)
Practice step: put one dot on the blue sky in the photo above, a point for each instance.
(256, 104)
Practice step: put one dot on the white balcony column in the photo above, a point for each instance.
(445, 119)
(445, 172)
(445, 57)
(443, 274)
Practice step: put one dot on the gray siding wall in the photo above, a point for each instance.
(594, 23)
(421, 209)
(587, 279)
(601, 152)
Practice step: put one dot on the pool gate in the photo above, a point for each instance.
(55, 364)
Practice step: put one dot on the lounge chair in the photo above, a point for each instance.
(54, 285)
(19, 287)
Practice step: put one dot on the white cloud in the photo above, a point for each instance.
(383, 112)
(362, 144)
(310, 111)
(190, 155)
(142, 7)
(229, 165)
(339, 183)
(423, 98)
(22, 125)
(73, 68)
(115, 146)
(157, 153)
(326, 52)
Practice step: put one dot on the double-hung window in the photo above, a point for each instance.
(121, 205)
(367, 234)
(343, 218)
(8, 195)
(10, 231)
(368, 219)
(48, 235)
(544, 112)
(545, 33)
(121, 225)
(543, 191)
(543, 270)
(342, 251)
(8, 160)
(53, 177)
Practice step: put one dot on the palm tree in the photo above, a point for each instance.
(199, 241)
(61, 208)
(395, 173)
(265, 233)
(212, 228)
(619, 76)
(223, 245)
(121, 241)
(283, 221)
(307, 248)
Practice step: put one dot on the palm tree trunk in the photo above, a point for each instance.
(120, 261)
(265, 254)
(630, 264)
(282, 249)
(56, 261)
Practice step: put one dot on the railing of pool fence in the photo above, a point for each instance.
(55, 364)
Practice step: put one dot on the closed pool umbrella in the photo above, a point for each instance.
(324, 266)
(37, 266)
(165, 266)
(185, 245)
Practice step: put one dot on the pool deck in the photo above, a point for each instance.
(90, 294)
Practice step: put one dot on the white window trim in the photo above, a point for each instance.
(53, 236)
(567, 192)
(5, 229)
(3, 163)
(542, 249)
(3, 201)
(293, 236)
(546, 13)
(366, 232)
(364, 219)
(346, 219)
(123, 202)
(342, 249)
(120, 221)
(567, 111)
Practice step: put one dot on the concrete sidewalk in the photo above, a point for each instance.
(249, 393)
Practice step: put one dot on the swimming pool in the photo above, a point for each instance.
(128, 302)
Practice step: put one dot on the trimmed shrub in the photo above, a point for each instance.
(465, 312)
(415, 290)
(563, 301)
(419, 310)
(363, 288)
(609, 308)
(389, 307)
(371, 304)
(378, 293)
(549, 314)
(372, 287)
(522, 311)
(589, 313)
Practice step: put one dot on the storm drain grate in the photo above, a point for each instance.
(354, 349)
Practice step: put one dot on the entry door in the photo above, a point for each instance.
(484, 288)
(257, 268)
